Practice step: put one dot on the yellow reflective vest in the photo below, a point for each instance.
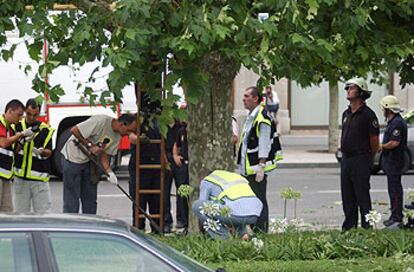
(28, 165)
(252, 156)
(6, 156)
(234, 186)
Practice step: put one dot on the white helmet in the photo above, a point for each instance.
(391, 103)
(362, 85)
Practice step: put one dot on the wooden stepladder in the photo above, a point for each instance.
(161, 167)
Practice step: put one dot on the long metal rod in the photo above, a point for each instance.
(93, 159)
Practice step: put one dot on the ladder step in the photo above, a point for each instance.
(150, 216)
(149, 191)
(150, 166)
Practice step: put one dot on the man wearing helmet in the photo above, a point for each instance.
(394, 145)
(359, 143)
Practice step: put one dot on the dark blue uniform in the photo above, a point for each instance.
(393, 161)
(176, 135)
(356, 163)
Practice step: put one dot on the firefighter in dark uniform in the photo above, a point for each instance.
(359, 143)
(394, 146)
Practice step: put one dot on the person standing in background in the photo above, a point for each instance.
(180, 156)
(258, 148)
(13, 113)
(272, 102)
(359, 143)
(393, 158)
(32, 165)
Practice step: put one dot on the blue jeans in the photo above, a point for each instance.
(238, 222)
(77, 185)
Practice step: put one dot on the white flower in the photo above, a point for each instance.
(210, 209)
(211, 224)
(278, 225)
(373, 217)
(258, 244)
(410, 194)
(297, 222)
(408, 214)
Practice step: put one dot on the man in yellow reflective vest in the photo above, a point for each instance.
(32, 164)
(226, 200)
(259, 150)
(13, 112)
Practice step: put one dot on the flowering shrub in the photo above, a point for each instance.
(210, 209)
(373, 218)
(211, 224)
(278, 225)
(410, 194)
(287, 194)
(257, 244)
(185, 190)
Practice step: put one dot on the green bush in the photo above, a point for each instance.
(328, 245)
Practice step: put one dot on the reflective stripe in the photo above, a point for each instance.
(233, 185)
(227, 182)
(6, 152)
(49, 136)
(253, 150)
(39, 175)
(279, 155)
(29, 169)
(5, 171)
(267, 164)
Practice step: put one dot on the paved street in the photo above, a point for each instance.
(320, 203)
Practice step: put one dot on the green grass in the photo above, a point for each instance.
(363, 265)
(361, 250)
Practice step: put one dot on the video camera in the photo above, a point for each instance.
(35, 129)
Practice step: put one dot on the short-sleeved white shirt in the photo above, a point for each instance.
(96, 129)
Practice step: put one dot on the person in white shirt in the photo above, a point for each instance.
(271, 102)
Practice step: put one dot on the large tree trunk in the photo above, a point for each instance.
(333, 116)
(209, 126)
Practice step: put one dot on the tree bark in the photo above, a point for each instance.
(209, 126)
(333, 117)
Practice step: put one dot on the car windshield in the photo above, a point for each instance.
(184, 261)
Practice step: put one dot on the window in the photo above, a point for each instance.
(102, 252)
(15, 253)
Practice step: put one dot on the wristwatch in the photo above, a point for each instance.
(89, 144)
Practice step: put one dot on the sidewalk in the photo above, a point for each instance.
(306, 151)
(299, 151)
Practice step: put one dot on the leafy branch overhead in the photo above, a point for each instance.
(307, 41)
